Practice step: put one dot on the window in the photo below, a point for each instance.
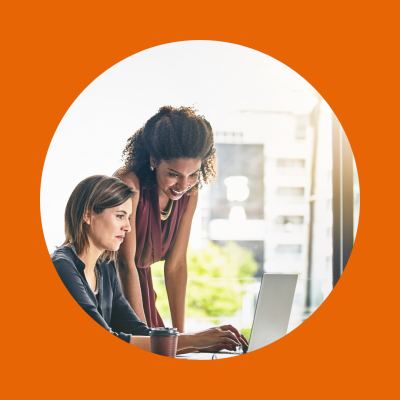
(343, 201)
(301, 127)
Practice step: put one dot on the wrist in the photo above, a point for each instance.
(178, 323)
(185, 341)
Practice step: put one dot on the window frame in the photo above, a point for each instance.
(342, 200)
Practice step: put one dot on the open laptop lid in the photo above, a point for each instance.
(273, 309)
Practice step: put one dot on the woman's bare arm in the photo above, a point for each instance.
(142, 342)
(175, 270)
(226, 334)
(126, 267)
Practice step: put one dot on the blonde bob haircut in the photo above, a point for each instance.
(92, 195)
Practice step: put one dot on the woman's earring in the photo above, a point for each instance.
(151, 167)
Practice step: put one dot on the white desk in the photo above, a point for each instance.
(205, 356)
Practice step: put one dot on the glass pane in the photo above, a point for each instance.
(356, 193)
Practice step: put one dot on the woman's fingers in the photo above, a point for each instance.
(226, 335)
(232, 336)
(242, 339)
(230, 328)
(228, 340)
(242, 342)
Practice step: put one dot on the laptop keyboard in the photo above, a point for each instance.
(239, 350)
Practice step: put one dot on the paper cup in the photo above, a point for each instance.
(164, 341)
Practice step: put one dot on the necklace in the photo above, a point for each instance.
(166, 214)
(96, 273)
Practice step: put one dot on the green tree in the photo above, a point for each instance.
(215, 287)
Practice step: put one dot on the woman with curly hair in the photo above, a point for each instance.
(166, 162)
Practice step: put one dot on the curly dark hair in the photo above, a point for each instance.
(170, 134)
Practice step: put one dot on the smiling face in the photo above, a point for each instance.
(106, 231)
(176, 177)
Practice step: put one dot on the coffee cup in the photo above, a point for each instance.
(164, 341)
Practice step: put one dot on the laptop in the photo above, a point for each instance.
(271, 319)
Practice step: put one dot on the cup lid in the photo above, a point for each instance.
(164, 332)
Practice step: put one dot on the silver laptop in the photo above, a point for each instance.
(271, 318)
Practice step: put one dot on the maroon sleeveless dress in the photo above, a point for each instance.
(154, 240)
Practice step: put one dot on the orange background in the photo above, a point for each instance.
(52, 51)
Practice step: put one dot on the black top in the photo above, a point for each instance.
(110, 309)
